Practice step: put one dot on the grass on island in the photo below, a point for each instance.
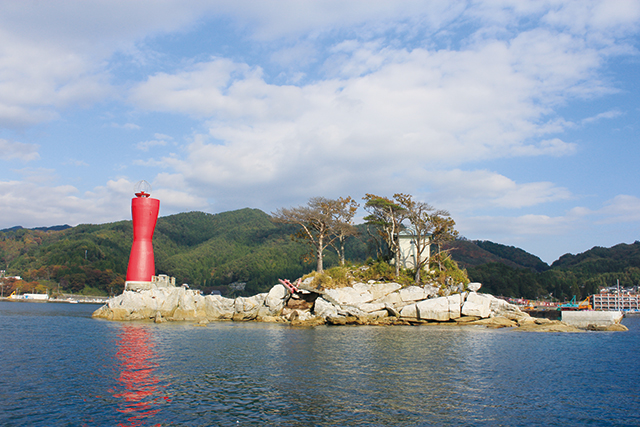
(382, 271)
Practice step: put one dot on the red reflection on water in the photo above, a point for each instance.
(140, 392)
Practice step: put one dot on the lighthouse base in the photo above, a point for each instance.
(157, 282)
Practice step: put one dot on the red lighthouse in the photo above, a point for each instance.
(145, 214)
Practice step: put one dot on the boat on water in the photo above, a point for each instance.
(29, 297)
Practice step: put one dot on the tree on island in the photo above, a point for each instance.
(342, 227)
(387, 216)
(443, 232)
(421, 216)
(323, 221)
(428, 226)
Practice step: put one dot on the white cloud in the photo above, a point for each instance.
(551, 147)
(390, 113)
(10, 150)
(385, 93)
(128, 126)
(64, 204)
(55, 54)
(468, 190)
(502, 227)
(606, 115)
(622, 208)
(37, 175)
(38, 78)
(146, 145)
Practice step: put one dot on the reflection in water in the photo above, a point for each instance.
(139, 386)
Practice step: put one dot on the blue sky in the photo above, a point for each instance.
(520, 118)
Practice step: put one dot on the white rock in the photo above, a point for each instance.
(350, 296)
(474, 286)
(378, 314)
(502, 308)
(412, 293)
(392, 298)
(455, 306)
(476, 305)
(370, 307)
(324, 308)
(276, 298)
(434, 309)
(381, 290)
(431, 290)
(409, 312)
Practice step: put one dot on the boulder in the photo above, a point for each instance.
(371, 307)
(351, 296)
(392, 310)
(246, 308)
(476, 305)
(392, 298)
(433, 309)
(276, 298)
(325, 309)
(409, 312)
(413, 293)
(217, 307)
(431, 290)
(455, 306)
(474, 286)
(502, 308)
(381, 290)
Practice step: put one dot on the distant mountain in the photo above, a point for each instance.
(54, 228)
(201, 249)
(524, 275)
(469, 254)
(212, 251)
(602, 260)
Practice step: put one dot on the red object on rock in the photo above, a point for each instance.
(141, 261)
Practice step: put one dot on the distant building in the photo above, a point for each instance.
(409, 251)
(615, 302)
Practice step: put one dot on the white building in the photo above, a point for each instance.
(409, 250)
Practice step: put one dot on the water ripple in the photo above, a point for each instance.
(64, 368)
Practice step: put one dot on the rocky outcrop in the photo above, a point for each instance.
(360, 304)
(370, 303)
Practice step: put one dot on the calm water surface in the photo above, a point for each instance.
(60, 367)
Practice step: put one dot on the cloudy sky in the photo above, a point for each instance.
(520, 118)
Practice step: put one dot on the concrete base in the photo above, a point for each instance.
(132, 285)
(584, 319)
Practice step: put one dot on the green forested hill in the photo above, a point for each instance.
(204, 250)
(579, 275)
(211, 251)
(471, 254)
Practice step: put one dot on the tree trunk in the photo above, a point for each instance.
(319, 268)
(397, 259)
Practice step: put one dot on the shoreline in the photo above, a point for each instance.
(377, 304)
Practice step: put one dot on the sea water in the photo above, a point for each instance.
(60, 367)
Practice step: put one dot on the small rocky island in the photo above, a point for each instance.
(372, 303)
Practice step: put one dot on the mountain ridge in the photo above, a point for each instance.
(213, 250)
